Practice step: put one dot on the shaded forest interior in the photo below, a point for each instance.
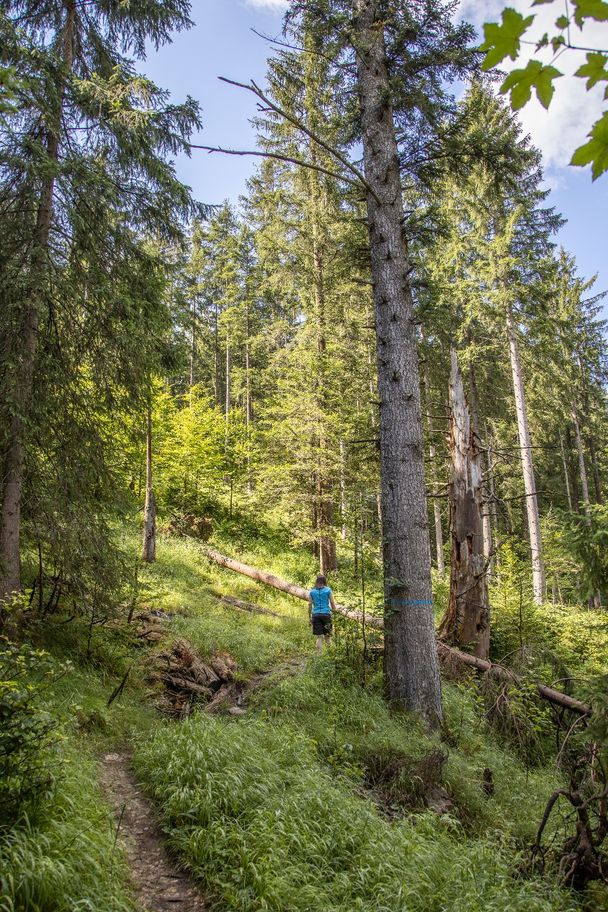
(378, 366)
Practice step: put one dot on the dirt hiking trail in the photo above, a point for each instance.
(157, 882)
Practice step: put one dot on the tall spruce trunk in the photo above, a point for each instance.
(566, 477)
(486, 517)
(411, 668)
(22, 380)
(582, 469)
(433, 473)
(149, 543)
(467, 619)
(525, 445)
(597, 481)
(596, 598)
(316, 203)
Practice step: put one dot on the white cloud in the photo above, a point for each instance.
(558, 131)
(269, 4)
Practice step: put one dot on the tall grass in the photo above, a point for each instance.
(266, 827)
(65, 859)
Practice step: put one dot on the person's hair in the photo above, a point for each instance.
(321, 580)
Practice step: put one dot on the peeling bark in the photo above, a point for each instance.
(467, 619)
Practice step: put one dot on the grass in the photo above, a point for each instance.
(312, 801)
(64, 857)
(265, 826)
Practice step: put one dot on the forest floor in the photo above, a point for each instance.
(299, 791)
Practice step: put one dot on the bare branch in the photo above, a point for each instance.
(276, 155)
(255, 89)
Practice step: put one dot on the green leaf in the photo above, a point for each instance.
(594, 152)
(557, 42)
(562, 22)
(590, 9)
(503, 40)
(544, 42)
(521, 82)
(594, 69)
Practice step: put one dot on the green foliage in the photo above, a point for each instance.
(589, 542)
(595, 152)
(505, 39)
(28, 732)
(521, 82)
(265, 826)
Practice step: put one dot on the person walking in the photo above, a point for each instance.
(320, 605)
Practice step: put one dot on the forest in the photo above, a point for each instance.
(377, 370)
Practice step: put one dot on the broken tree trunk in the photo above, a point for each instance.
(467, 619)
(277, 583)
(547, 693)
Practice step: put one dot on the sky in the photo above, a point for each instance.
(223, 43)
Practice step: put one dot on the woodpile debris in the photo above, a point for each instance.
(187, 679)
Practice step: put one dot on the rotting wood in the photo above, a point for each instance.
(247, 606)
(547, 693)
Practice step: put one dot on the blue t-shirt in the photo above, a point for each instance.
(320, 600)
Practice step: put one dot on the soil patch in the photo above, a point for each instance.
(158, 883)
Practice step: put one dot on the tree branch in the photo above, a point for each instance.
(255, 89)
(284, 158)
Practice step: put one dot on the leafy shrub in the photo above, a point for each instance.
(27, 731)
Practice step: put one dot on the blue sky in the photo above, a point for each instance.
(222, 44)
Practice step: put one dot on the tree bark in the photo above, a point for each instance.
(467, 619)
(149, 542)
(432, 471)
(344, 529)
(316, 199)
(486, 518)
(597, 482)
(248, 406)
(25, 347)
(411, 668)
(193, 319)
(566, 476)
(581, 465)
(523, 427)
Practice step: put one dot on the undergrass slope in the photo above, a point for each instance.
(314, 801)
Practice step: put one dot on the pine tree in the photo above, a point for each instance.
(85, 153)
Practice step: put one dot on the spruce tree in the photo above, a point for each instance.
(85, 155)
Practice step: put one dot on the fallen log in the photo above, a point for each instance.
(547, 693)
(277, 583)
(247, 606)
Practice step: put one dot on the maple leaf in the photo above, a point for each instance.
(594, 69)
(594, 152)
(503, 40)
(535, 76)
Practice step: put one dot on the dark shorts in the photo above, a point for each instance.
(321, 624)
